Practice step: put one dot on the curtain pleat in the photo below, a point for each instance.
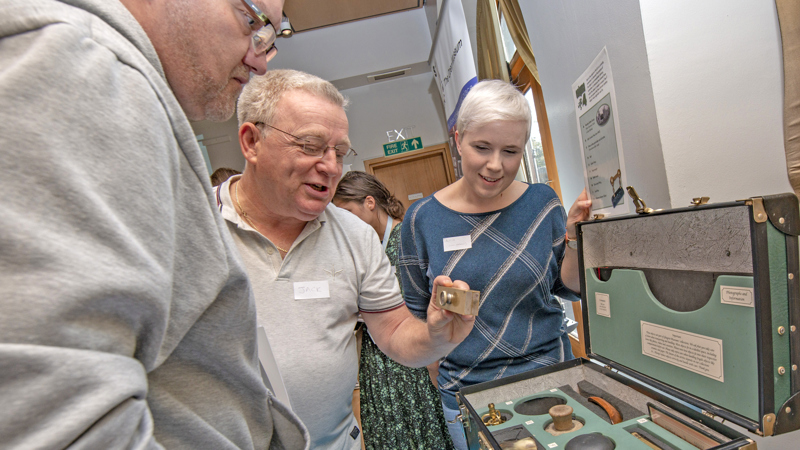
(491, 61)
(789, 19)
(519, 33)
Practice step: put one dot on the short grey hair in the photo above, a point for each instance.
(491, 100)
(260, 96)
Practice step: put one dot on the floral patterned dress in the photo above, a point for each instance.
(400, 407)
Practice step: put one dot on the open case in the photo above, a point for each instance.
(690, 319)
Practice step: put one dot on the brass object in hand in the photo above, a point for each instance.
(459, 301)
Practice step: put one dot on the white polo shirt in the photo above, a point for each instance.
(312, 338)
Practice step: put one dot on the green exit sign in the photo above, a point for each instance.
(407, 145)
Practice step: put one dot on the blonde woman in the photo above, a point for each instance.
(511, 246)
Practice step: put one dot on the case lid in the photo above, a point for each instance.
(669, 299)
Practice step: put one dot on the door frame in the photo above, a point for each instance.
(377, 163)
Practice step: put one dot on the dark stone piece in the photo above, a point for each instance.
(590, 441)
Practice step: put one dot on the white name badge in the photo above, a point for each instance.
(454, 243)
(311, 289)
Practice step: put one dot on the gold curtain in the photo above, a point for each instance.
(789, 19)
(519, 34)
(491, 61)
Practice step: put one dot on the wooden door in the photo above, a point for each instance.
(413, 175)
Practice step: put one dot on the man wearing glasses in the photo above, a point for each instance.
(126, 317)
(314, 266)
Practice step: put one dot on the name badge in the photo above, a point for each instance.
(311, 289)
(457, 243)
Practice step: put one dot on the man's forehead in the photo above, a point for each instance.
(303, 109)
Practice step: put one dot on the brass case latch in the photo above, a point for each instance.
(759, 212)
(768, 421)
(641, 206)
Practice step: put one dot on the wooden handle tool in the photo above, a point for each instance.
(612, 412)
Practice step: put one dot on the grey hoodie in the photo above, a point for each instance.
(126, 317)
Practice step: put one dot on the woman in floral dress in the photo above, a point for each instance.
(400, 406)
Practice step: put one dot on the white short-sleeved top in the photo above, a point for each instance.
(312, 339)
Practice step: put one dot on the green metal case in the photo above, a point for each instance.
(697, 304)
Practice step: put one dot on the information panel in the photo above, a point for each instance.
(693, 352)
(598, 128)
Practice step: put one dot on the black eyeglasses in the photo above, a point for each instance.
(316, 147)
(264, 34)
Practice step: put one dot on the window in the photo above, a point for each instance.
(539, 163)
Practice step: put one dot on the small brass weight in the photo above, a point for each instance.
(459, 301)
(493, 417)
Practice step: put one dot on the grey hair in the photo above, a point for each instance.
(260, 96)
(491, 100)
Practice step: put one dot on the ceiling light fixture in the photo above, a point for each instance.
(286, 27)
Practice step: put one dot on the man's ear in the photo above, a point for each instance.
(249, 135)
(369, 202)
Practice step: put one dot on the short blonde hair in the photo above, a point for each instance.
(260, 96)
(491, 100)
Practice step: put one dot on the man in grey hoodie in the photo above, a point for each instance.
(126, 317)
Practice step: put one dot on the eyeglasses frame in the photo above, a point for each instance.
(263, 21)
(351, 152)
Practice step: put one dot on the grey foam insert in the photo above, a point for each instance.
(569, 377)
(709, 240)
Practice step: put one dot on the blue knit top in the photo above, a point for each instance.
(515, 263)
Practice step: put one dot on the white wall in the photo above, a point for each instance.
(566, 36)
(377, 108)
(471, 16)
(718, 88)
(222, 142)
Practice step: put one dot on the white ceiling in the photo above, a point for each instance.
(312, 14)
(358, 48)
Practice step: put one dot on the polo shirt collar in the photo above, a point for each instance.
(229, 212)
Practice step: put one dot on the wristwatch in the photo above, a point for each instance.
(571, 243)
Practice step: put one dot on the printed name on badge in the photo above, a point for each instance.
(454, 243)
(311, 289)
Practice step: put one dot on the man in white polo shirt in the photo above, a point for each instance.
(314, 266)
